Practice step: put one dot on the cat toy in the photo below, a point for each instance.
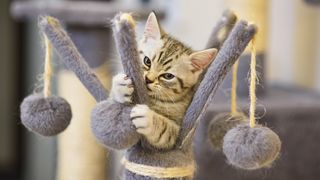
(44, 113)
(250, 145)
(245, 144)
(113, 128)
(111, 123)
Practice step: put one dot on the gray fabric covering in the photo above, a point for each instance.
(104, 116)
(251, 148)
(224, 27)
(71, 58)
(230, 51)
(45, 116)
(111, 125)
(125, 38)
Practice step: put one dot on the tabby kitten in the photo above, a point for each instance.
(171, 70)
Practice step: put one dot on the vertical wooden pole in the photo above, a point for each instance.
(305, 44)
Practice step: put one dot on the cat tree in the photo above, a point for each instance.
(273, 104)
(95, 43)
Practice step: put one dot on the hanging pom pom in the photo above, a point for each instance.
(251, 146)
(45, 114)
(223, 122)
(220, 125)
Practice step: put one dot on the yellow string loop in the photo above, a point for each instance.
(234, 110)
(159, 172)
(47, 67)
(253, 79)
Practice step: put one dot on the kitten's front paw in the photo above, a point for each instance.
(122, 88)
(142, 117)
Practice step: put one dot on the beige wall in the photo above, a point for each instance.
(293, 42)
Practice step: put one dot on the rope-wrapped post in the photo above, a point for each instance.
(71, 57)
(230, 51)
(47, 68)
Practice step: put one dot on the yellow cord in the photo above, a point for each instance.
(129, 18)
(47, 68)
(159, 172)
(234, 110)
(253, 77)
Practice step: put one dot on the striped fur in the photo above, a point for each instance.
(169, 99)
(171, 70)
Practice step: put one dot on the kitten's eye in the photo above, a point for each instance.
(168, 76)
(147, 61)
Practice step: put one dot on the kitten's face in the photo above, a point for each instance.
(170, 69)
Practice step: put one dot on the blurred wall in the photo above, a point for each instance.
(293, 55)
(40, 152)
(8, 93)
(294, 40)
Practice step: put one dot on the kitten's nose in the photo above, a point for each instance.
(148, 81)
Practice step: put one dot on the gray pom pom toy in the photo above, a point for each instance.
(220, 125)
(43, 113)
(45, 116)
(251, 148)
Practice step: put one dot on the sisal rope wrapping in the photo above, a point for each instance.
(253, 81)
(234, 110)
(159, 172)
(80, 156)
(47, 67)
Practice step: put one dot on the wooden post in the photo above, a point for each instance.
(80, 157)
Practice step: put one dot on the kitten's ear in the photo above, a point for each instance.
(201, 59)
(152, 28)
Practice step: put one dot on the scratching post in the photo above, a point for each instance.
(125, 38)
(124, 33)
(112, 126)
(80, 157)
(111, 123)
